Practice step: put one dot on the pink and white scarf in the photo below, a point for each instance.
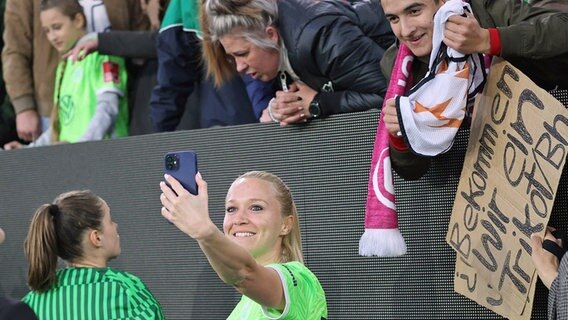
(428, 129)
(382, 237)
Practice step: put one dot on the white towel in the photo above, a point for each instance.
(432, 112)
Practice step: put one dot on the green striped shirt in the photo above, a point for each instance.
(95, 294)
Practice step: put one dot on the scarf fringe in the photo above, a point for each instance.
(382, 243)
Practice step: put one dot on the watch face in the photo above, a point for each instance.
(314, 109)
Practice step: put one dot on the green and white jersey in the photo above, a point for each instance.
(182, 13)
(95, 294)
(76, 93)
(305, 298)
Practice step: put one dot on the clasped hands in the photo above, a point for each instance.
(290, 106)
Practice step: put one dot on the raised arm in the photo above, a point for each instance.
(233, 264)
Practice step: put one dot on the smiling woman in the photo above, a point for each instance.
(260, 252)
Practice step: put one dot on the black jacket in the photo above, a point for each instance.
(180, 73)
(534, 40)
(335, 48)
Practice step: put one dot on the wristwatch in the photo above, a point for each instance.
(315, 109)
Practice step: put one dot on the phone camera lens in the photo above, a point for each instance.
(171, 162)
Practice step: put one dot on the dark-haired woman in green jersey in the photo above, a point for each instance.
(79, 229)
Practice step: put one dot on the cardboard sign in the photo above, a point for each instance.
(516, 153)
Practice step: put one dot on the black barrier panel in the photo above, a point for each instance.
(326, 165)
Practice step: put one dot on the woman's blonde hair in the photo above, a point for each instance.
(222, 17)
(292, 242)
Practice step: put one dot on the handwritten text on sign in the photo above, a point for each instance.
(513, 164)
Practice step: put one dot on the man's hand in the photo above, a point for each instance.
(87, 44)
(13, 145)
(28, 125)
(465, 35)
(391, 117)
(546, 263)
(152, 9)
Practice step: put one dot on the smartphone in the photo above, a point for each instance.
(182, 165)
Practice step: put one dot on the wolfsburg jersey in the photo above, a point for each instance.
(95, 294)
(184, 13)
(305, 298)
(82, 82)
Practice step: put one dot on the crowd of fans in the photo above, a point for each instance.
(81, 70)
(292, 73)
